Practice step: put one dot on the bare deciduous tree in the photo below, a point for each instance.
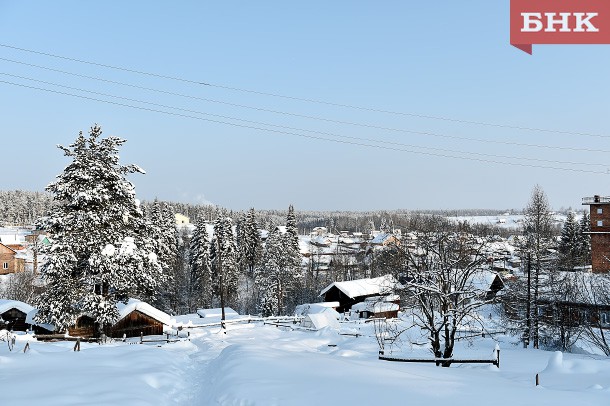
(446, 287)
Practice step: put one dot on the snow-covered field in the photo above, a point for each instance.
(255, 364)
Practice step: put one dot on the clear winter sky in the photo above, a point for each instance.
(437, 58)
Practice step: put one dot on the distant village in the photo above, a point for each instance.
(354, 270)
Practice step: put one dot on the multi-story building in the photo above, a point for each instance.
(599, 207)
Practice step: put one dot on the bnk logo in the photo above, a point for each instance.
(559, 22)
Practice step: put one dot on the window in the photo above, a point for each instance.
(600, 223)
(599, 210)
(5, 265)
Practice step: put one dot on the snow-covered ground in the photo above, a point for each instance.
(256, 364)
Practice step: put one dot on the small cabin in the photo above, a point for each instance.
(15, 316)
(135, 318)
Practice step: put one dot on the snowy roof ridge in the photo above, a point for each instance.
(365, 287)
(6, 305)
(142, 307)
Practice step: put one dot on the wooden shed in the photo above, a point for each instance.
(135, 318)
(85, 327)
(17, 316)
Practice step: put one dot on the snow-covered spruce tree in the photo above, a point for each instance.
(201, 272)
(253, 244)
(279, 273)
(223, 257)
(570, 243)
(585, 239)
(166, 246)
(101, 251)
(268, 275)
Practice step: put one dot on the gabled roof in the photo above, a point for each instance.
(6, 305)
(29, 319)
(366, 287)
(142, 307)
(7, 247)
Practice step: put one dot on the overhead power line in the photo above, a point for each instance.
(304, 130)
(364, 125)
(308, 100)
(306, 135)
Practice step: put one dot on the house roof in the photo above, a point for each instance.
(142, 307)
(309, 308)
(483, 279)
(325, 318)
(29, 319)
(6, 305)
(375, 307)
(366, 287)
(7, 247)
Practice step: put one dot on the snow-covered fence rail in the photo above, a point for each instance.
(167, 339)
(63, 337)
(249, 319)
(445, 361)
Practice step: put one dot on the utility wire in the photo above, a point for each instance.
(305, 135)
(304, 130)
(317, 101)
(425, 133)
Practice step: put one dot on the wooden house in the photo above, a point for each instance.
(348, 293)
(9, 263)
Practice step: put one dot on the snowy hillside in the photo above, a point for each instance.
(255, 364)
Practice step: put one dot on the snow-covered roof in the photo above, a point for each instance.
(483, 279)
(375, 307)
(381, 238)
(29, 319)
(309, 308)
(366, 287)
(142, 307)
(216, 312)
(387, 298)
(326, 318)
(6, 305)
(12, 239)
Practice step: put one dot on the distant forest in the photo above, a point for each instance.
(22, 208)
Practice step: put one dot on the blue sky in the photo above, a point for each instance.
(439, 58)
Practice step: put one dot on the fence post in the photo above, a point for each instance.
(537, 380)
(141, 337)
(498, 358)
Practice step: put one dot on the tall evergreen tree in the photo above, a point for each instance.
(570, 243)
(201, 272)
(223, 256)
(252, 245)
(279, 273)
(537, 233)
(166, 243)
(101, 251)
(585, 239)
